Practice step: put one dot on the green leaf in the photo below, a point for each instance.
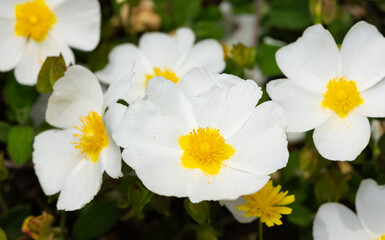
(290, 14)
(138, 196)
(300, 216)
(2, 235)
(20, 144)
(200, 212)
(19, 96)
(95, 219)
(13, 220)
(4, 131)
(53, 68)
(331, 187)
(186, 11)
(3, 170)
(266, 59)
(206, 232)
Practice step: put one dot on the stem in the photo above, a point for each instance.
(260, 230)
(63, 225)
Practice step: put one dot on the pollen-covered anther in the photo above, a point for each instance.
(34, 20)
(206, 149)
(166, 73)
(341, 96)
(93, 137)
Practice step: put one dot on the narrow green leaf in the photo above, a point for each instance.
(4, 131)
(2, 235)
(20, 144)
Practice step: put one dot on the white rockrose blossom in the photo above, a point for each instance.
(72, 158)
(31, 30)
(334, 221)
(203, 138)
(161, 54)
(333, 91)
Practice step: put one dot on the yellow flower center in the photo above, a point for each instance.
(205, 149)
(267, 204)
(166, 73)
(33, 20)
(93, 137)
(381, 238)
(341, 96)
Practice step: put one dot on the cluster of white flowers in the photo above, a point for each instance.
(190, 131)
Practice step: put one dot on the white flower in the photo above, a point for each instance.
(161, 54)
(334, 221)
(31, 30)
(72, 159)
(204, 138)
(333, 91)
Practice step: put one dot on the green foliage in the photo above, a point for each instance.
(53, 68)
(20, 144)
(4, 131)
(3, 171)
(2, 235)
(13, 219)
(289, 14)
(266, 59)
(95, 219)
(331, 187)
(200, 212)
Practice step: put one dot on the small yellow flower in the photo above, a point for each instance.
(267, 204)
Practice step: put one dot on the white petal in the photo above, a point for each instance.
(12, 47)
(143, 123)
(78, 22)
(334, 221)
(111, 159)
(54, 157)
(164, 50)
(74, 95)
(260, 146)
(120, 58)
(232, 205)
(160, 170)
(119, 87)
(7, 9)
(370, 206)
(113, 116)
(28, 69)
(342, 138)
(374, 101)
(222, 101)
(172, 102)
(207, 54)
(302, 107)
(312, 60)
(362, 52)
(81, 186)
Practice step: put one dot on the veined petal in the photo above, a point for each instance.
(370, 207)
(302, 107)
(312, 60)
(74, 95)
(362, 53)
(207, 54)
(54, 158)
(78, 22)
(260, 145)
(11, 47)
(81, 185)
(334, 221)
(164, 50)
(342, 138)
(374, 101)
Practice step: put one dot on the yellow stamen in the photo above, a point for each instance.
(33, 20)
(93, 137)
(206, 149)
(341, 96)
(267, 204)
(166, 73)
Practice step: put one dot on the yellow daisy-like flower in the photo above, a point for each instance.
(267, 204)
